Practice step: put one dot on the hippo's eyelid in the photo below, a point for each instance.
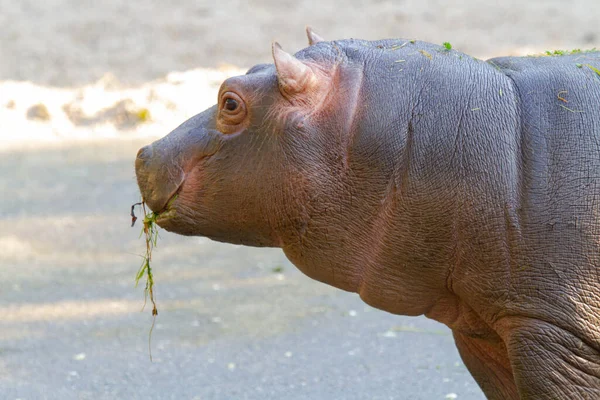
(229, 98)
(232, 112)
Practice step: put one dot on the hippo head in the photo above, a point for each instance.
(257, 167)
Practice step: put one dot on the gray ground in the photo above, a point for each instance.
(229, 327)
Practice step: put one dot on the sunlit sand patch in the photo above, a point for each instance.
(14, 248)
(34, 116)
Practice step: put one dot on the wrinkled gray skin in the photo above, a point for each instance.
(442, 185)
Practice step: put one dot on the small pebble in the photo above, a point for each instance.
(389, 334)
(38, 112)
(231, 366)
(451, 396)
(352, 313)
(216, 286)
(288, 354)
(79, 357)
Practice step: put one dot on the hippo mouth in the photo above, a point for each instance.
(162, 177)
(168, 211)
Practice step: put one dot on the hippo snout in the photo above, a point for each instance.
(158, 177)
(145, 152)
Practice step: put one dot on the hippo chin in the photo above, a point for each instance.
(427, 181)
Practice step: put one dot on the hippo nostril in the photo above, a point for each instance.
(145, 152)
(158, 176)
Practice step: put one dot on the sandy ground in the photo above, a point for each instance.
(82, 85)
(32, 115)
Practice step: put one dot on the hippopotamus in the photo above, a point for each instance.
(425, 180)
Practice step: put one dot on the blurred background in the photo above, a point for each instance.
(82, 86)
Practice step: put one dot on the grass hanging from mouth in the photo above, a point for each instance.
(150, 231)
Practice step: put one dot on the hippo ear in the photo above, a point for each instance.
(292, 74)
(313, 38)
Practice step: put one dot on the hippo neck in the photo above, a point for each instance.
(428, 190)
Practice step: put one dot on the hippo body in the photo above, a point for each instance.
(427, 181)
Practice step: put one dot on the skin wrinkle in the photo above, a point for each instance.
(519, 155)
(509, 257)
(519, 196)
(576, 361)
(530, 346)
(500, 326)
(467, 106)
(200, 159)
(496, 382)
(458, 242)
(350, 131)
(379, 233)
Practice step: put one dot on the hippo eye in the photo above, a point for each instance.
(231, 104)
(232, 112)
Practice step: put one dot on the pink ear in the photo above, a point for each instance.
(293, 75)
(313, 38)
